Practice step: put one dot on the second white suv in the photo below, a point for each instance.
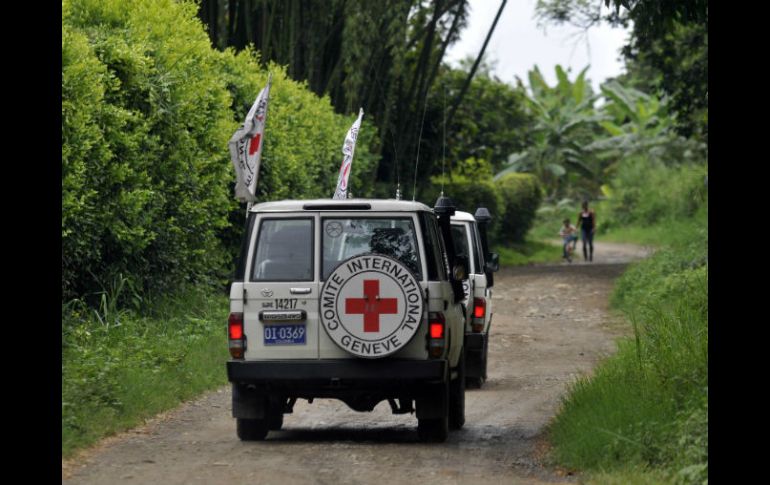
(469, 238)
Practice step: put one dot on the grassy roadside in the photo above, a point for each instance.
(120, 367)
(528, 252)
(643, 415)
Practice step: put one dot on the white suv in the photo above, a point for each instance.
(347, 299)
(470, 242)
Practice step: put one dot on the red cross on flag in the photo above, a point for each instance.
(246, 147)
(348, 148)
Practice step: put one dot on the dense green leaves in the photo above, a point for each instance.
(147, 112)
(667, 53)
(522, 195)
(564, 123)
(512, 200)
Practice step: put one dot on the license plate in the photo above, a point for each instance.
(284, 334)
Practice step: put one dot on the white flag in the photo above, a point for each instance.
(246, 147)
(347, 160)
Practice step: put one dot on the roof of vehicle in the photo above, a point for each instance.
(375, 205)
(463, 216)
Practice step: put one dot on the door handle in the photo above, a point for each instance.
(300, 291)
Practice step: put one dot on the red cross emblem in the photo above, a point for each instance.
(254, 144)
(371, 306)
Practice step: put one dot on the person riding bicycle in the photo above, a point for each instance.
(568, 234)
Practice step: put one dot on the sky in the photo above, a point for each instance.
(518, 44)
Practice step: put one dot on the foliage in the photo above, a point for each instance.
(121, 366)
(677, 65)
(138, 145)
(639, 126)
(645, 409)
(468, 192)
(679, 192)
(667, 53)
(490, 127)
(522, 195)
(565, 122)
(647, 404)
(383, 56)
(147, 112)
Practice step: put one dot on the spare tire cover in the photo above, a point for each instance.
(371, 305)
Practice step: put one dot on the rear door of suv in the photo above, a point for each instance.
(478, 276)
(281, 287)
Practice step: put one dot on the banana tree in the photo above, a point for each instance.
(637, 124)
(566, 121)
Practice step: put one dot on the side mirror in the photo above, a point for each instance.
(493, 263)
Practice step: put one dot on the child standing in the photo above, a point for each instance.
(568, 234)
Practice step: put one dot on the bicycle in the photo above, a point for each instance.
(570, 244)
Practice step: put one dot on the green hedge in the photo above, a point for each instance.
(512, 200)
(468, 195)
(147, 112)
(521, 195)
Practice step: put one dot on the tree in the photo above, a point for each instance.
(638, 125)
(565, 121)
(667, 53)
(383, 56)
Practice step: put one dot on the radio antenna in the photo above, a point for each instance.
(395, 163)
(419, 142)
(443, 146)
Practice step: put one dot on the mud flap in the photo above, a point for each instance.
(475, 346)
(435, 405)
(247, 404)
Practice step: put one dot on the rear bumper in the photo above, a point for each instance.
(332, 378)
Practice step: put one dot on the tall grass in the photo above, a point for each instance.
(645, 409)
(121, 366)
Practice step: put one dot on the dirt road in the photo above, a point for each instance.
(550, 324)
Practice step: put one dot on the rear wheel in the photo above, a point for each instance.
(457, 396)
(251, 429)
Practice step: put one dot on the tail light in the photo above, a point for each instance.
(479, 312)
(436, 334)
(235, 335)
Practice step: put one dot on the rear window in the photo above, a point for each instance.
(344, 238)
(284, 250)
(460, 240)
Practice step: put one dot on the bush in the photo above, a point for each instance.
(521, 195)
(646, 192)
(468, 194)
(147, 112)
